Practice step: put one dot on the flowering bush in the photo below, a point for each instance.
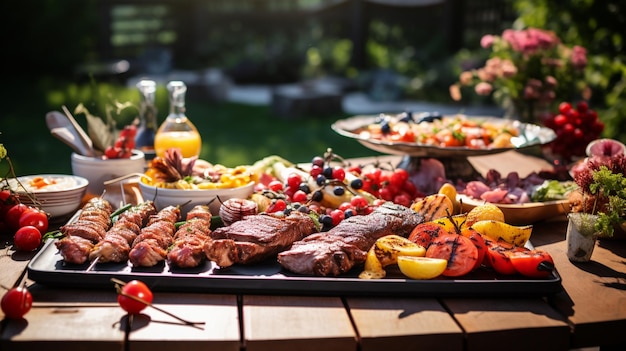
(527, 71)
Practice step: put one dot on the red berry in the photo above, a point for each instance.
(294, 180)
(299, 196)
(337, 216)
(564, 107)
(582, 106)
(339, 173)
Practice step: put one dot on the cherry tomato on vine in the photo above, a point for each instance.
(12, 217)
(7, 200)
(35, 218)
(16, 302)
(27, 238)
(137, 289)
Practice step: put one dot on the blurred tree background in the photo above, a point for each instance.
(66, 52)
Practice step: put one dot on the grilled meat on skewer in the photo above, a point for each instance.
(256, 238)
(115, 245)
(344, 246)
(187, 250)
(150, 246)
(89, 228)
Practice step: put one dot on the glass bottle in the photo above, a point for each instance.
(146, 131)
(177, 130)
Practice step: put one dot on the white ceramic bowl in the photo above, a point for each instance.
(59, 199)
(98, 171)
(188, 198)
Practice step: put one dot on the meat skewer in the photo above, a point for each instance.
(256, 237)
(115, 246)
(150, 246)
(187, 250)
(81, 235)
(344, 246)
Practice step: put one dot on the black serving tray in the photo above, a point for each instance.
(48, 268)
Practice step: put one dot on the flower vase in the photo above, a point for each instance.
(581, 236)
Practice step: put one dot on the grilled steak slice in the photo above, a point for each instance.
(256, 237)
(344, 246)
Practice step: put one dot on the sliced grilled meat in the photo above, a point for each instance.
(335, 252)
(256, 237)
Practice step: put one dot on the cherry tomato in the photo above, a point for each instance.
(277, 206)
(137, 289)
(276, 185)
(12, 217)
(27, 238)
(337, 216)
(294, 180)
(460, 252)
(16, 302)
(35, 218)
(299, 196)
(532, 263)
(7, 200)
(399, 176)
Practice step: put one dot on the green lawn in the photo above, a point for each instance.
(232, 134)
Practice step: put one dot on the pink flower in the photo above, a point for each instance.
(487, 74)
(455, 92)
(483, 88)
(550, 81)
(530, 40)
(486, 41)
(509, 69)
(579, 57)
(545, 39)
(466, 78)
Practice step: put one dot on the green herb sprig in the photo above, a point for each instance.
(611, 186)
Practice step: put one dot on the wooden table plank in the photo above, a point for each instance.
(13, 262)
(385, 323)
(277, 323)
(499, 321)
(67, 328)
(595, 297)
(156, 331)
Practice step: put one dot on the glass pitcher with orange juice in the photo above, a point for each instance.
(177, 130)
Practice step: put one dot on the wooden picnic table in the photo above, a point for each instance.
(590, 311)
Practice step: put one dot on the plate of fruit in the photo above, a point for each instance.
(435, 135)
